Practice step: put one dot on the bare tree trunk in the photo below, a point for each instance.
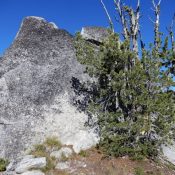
(134, 25)
(170, 30)
(157, 24)
(108, 16)
(130, 24)
(171, 34)
(141, 41)
(121, 13)
(173, 42)
(134, 28)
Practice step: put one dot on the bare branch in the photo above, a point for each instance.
(120, 10)
(130, 23)
(141, 41)
(159, 2)
(173, 21)
(138, 11)
(154, 5)
(157, 24)
(138, 5)
(151, 20)
(134, 25)
(108, 16)
(117, 20)
(170, 31)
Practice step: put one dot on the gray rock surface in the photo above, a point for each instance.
(37, 76)
(8, 173)
(34, 172)
(96, 34)
(29, 163)
(169, 152)
(67, 152)
(11, 166)
(62, 165)
(71, 166)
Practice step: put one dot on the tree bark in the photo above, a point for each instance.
(108, 16)
(157, 24)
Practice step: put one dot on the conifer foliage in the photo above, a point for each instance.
(133, 98)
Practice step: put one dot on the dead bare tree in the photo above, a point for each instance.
(156, 9)
(121, 12)
(142, 44)
(108, 16)
(134, 26)
(129, 19)
(171, 33)
(130, 22)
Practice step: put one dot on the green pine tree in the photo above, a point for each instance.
(133, 102)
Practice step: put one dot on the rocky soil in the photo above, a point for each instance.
(91, 162)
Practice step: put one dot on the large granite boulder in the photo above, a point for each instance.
(36, 90)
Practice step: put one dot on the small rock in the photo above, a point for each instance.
(80, 164)
(11, 166)
(29, 162)
(8, 173)
(67, 152)
(34, 172)
(28, 157)
(169, 152)
(62, 165)
(82, 141)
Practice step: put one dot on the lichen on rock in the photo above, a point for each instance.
(37, 92)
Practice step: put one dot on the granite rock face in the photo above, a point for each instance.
(94, 34)
(36, 94)
(33, 172)
(169, 152)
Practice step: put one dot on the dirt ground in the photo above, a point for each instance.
(93, 162)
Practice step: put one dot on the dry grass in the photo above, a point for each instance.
(3, 164)
(54, 172)
(53, 142)
(44, 150)
(98, 164)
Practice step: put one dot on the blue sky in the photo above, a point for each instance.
(72, 15)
